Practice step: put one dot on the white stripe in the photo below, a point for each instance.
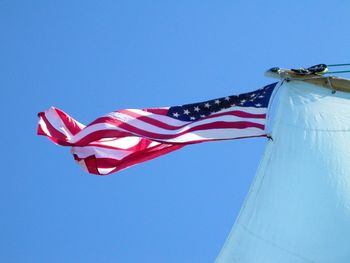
(251, 110)
(175, 122)
(57, 123)
(216, 134)
(105, 170)
(153, 144)
(99, 152)
(154, 129)
(83, 165)
(44, 127)
(135, 122)
(80, 125)
(162, 118)
(212, 134)
(121, 143)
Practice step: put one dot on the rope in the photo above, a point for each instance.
(337, 65)
(341, 71)
(338, 71)
(330, 85)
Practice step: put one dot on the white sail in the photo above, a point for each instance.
(298, 207)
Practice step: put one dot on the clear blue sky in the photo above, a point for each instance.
(92, 57)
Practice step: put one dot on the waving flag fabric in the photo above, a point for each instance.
(127, 137)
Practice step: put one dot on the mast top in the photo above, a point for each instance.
(313, 75)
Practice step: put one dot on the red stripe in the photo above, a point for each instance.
(146, 119)
(40, 131)
(157, 111)
(214, 140)
(55, 136)
(143, 156)
(94, 163)
(68, 121)
(152, 121)
(91, 164)
(239, 113)
(132, 131)
(155, 122)
(100, 134)
(166, 126)
(142, 144)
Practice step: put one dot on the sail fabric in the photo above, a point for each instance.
(298, 207)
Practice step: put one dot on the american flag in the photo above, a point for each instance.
(127, 137)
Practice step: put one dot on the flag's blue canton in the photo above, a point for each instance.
(192, 112)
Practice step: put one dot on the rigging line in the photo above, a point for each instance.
(268, 111)
(341, 71)
(330, 85)
(337, 65)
